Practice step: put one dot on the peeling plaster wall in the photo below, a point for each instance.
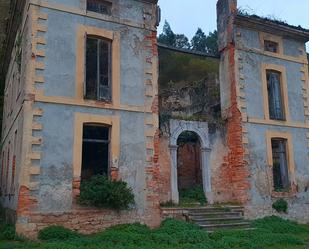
(60, 77)
(260, 173)
(47, 187)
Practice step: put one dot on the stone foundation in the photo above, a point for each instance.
(86, 221)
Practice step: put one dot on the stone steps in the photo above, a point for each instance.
(214, 218)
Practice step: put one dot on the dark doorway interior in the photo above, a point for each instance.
(189, 161)
(95, 157)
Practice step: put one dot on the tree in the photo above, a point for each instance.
(212, 43)
(182, 41)
(199, 41)
(168, 37)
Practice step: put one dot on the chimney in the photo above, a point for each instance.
(226, 12)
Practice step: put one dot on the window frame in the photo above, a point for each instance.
(270, 135)
(284, 92)
(272, 38)
(284, 143)
(283, 118)
(108, 142)
(109, 8)
(109, 44)
(271, 42)
(113, 122)
(114, 36)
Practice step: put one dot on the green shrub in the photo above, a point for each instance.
(276, 224)
(8, 232)
(195, 194)
(280, 206)
(101, 192)
(57, 233)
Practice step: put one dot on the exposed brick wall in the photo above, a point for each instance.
(189, 166)
(26, 203)
(165, 169)
(235, 168)
(234, 171)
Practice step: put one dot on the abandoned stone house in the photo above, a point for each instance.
(86, 85)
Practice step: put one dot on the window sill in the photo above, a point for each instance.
(289, 194)
(99, 102)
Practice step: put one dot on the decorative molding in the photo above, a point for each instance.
(278, 123)
(89, 14)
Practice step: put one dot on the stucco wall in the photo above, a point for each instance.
(251, 52)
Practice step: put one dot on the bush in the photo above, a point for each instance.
(101, 192)
(280, 206)
(57, 233)
(195, 194)
(7, 232)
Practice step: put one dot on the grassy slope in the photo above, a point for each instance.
(271, 233)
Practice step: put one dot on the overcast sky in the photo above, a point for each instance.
(185, 16)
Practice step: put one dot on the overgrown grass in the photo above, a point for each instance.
(270, 233)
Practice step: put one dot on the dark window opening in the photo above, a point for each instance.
(98, 69)
(275, 102)
(280, 166)
(271, 46)
(100, 6)
(95, 154)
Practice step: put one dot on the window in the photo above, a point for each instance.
(95, 153)
(98, 69)
(280, 166)
(271, 46)
(100, 6)
(275, 102)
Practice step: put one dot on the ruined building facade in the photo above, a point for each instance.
(81, 89)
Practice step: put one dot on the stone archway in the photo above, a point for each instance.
(201, 129)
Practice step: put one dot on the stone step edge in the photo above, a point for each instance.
(225, 225)
(216, 219)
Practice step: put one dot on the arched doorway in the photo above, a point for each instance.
(189, 171)
(199, 130)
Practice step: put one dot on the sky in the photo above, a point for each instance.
(185, 16)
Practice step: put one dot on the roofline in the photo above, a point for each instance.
(187, 51)
(270, 26)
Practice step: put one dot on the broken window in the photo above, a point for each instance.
(271, 46)
(95, 154)
(98, 69)
(100, 6)
(275, 102)
(280, 166)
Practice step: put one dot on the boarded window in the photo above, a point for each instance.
(100, 6)
(95, 155)
(98, 69)
(271, 46)
(280, 166)
(275, 101)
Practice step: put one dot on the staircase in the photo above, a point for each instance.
(212, 218)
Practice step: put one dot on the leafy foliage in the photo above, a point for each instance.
(270, 233)
(275, 224)
(168, 37)
(7, 232)
(101, 192)
(195, 194)
(57, 233)
(199, 43)
(280, 206)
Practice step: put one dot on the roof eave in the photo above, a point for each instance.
(273, 28)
